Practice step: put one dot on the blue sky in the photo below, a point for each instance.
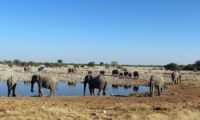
(80, 31)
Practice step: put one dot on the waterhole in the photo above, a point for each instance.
(63, 89)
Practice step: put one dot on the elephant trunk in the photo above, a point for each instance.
(32, 86)
(85, 84)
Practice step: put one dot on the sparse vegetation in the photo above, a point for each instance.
(114, 63)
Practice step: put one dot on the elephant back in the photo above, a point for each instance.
(48, 81)
(157, 80)
(175, 75)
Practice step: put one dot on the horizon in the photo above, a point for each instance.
(130, 32)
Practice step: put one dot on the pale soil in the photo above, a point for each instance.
(61, 73)
(176, 103)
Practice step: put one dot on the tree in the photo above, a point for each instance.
(188, 67)
(197, 65)
(171, 66)
(101, 63)
(17, 62)
(91, 64)
(114, 63)
(59, 61)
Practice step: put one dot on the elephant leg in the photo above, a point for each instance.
(51, 92)
(40, 92)
(159, 89)
(99, 91)
(13, 90)
(90, 91)
(93, 91)
(8, 92)
(104, 91)
(152, 94)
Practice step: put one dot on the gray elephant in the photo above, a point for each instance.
(176, 76)
(11, 84)
(156, 81)
(98, 82)
(115, 73)
(46, 82)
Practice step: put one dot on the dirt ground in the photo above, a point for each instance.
(178, 102)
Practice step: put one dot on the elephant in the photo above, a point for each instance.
(176, 76)
(136, 88)
(156, 81)
(126, 74)
(136, 75)
(27, 69)
(40, 69)
(121, 74)
(102, 72)
(130, 75)
(11, 83)
(44, 81)
(115, 73)
(98, 82)
(71, 70)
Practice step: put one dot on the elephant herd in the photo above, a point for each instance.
(95, 82)
(125, 74)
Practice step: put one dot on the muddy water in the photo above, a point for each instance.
(63, 89)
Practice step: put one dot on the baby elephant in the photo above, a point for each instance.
(156, 81)
(11, 83)
(176, 77)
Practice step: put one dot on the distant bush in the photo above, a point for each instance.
(119, 67)
(189, 67)
(82, 65)
(197, 65)
(107, 65)
(114, 63)
(171, 66)
(91, 64)
(101, 63)
(59, 61)
(76, 65)
(17, 62)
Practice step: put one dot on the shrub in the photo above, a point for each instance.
(189, 67)
(114, 63)
(17, 62)
(171, 66)
(101, 63)
(107, 66)
(59, 61)
(91, 64)
(197, 65)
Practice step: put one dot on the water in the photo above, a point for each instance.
(63, 89)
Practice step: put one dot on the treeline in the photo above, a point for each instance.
(190, 67)
(60, 63)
